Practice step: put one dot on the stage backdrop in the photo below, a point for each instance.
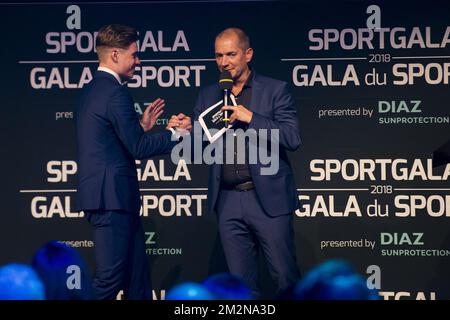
(371, 84)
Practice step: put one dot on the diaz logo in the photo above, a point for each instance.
(398, 239)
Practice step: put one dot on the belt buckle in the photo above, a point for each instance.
(243, 187)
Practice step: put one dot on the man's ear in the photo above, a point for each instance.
(114, 55)
(248, 55)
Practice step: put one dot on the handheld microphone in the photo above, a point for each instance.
(226, 84)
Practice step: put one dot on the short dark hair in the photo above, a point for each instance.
(243, 39)
(115, 36)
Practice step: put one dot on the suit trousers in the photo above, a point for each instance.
(121, 261)
(244, 228)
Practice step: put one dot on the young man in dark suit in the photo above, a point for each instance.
(110, 137)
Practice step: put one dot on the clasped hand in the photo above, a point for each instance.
(180, 122)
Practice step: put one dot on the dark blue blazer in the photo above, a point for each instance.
(110, 138)
(273, 108)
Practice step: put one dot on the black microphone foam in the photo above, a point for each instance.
(225, 80)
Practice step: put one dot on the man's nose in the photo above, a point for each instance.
(224, 62)
(138, 61)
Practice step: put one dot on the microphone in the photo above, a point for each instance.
(226, 84)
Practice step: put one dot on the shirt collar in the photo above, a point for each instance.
(248, 83)
(105, 69)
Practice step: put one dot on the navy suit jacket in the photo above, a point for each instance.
(273, 108)
(441, 156)
(110, 138)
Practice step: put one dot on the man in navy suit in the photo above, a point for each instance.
(254, 210)
(110, 137)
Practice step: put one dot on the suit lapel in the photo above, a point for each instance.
(214, 96)
(256, 93)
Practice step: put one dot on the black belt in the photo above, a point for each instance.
(245, 186)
